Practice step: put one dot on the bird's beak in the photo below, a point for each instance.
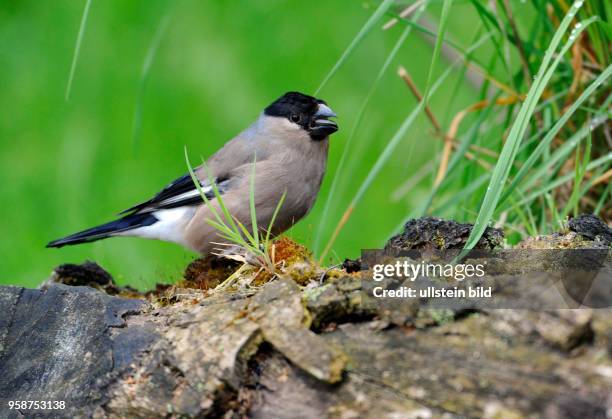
(321, 126)
(325, 111)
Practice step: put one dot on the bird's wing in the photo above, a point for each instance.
(181, 192)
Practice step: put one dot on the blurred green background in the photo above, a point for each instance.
(69, 165)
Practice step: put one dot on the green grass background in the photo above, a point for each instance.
(69, 165)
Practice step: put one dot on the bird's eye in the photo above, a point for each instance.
(296, 118)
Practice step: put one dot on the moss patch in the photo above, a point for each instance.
(205, 274)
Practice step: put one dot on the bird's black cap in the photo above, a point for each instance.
(293, 103)
(308, 112)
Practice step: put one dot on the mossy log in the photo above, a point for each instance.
(285, 351)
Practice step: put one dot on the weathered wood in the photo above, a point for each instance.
(114, 357)
(331, 350)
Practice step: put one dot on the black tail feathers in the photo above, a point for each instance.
(103, 231)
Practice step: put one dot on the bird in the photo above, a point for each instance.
(288, 146)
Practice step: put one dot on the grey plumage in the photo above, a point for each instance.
(289, 144)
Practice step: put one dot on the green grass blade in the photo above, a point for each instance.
(517, 132)
(589, 184)
(231, 228)
(422, 29)
(222, 228)
(390, 147)
(600, 40)
(485, 14)
(603, 160)
(542, 131)
(525, 221)
(491, 24)
(380, 11)
(457, 197)
(551, 134)
(603, 199)
(144, 77)
(446, 6)
(198, 186)
(470, 137)
(77, 48)
(579, 171)
(543, 224)
(454, 93)
(250, 239)
(252, 206)
(530, 225)
(349, 141)
(554, 213)
(422, 209)
(226, 214)
(559, 155)
(274, 214)
(394, 141)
